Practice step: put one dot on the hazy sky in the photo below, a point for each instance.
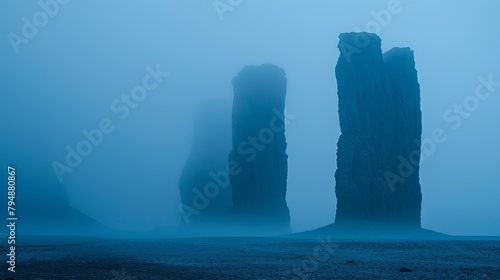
(66, 77)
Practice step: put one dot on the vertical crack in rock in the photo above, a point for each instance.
(205, 194)
(259, 150)
(378, 151)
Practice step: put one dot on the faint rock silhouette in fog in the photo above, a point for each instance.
(210, 148)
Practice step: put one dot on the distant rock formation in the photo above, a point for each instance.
(47, 209)
(258, 162)
(204, 194)
(378, 155)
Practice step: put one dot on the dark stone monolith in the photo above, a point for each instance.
(378, 155)
(258, 160)
(204, 182)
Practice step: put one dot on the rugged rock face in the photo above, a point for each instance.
(258, 162)
(204, 184)
(379, 147)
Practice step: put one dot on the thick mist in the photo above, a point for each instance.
(74, 74)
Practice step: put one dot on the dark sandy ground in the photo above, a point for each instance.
(253, 258)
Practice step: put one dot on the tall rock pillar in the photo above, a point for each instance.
(378, 151)
(258, 158)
